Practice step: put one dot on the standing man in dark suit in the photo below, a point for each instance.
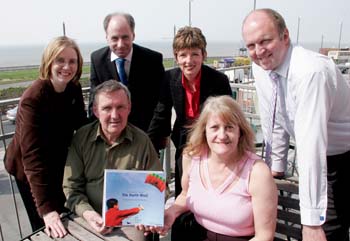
(142, 67)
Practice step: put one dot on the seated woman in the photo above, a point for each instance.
(225, 185)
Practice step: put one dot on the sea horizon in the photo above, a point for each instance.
(24, 55)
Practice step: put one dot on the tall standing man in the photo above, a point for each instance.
(139, 68)
(312, 106)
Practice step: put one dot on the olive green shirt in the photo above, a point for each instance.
(90, 154)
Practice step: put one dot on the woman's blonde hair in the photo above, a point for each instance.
(53, 49)
(230, 112)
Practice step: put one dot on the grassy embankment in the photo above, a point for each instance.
(16, 76)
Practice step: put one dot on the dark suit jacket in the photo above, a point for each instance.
(144, 82)
(212, 83)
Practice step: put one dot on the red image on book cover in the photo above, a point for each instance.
(156, 181)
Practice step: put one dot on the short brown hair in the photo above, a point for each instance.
(189, 37)
(53, 49)
(230, 112)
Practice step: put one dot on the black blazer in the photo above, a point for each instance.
(144, 82)
(212, 83)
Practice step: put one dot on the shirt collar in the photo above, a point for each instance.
(128, 57)
(196, 81)
(125, 135)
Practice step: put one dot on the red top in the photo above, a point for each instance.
(114, 217)
(192, 97)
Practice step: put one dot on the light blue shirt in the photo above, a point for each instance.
(313, 108)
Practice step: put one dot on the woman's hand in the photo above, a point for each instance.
(53, 225)
(169, 219)
(146, 229)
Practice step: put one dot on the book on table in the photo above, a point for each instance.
(133, 197)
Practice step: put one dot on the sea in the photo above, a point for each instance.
(24, 55)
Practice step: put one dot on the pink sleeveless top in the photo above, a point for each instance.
(229, 213)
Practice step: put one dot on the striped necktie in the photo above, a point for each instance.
(121, 71)
(272, 115)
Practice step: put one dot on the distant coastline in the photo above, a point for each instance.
(31, 54)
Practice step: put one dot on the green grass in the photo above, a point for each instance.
(14, 76)
(12, 92)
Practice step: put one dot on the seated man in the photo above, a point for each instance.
(107, 143)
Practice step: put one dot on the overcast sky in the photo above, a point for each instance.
(24, 22)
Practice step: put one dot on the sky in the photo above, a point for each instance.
(28, 22)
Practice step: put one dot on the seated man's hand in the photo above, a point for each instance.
(164, 142)
(53, 225)
(96, 222)
(277, 174)
(160, 143)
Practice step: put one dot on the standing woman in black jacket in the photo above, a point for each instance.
(49, 112)
(185, 88)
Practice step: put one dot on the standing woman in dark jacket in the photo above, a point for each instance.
(49, 112)
(185, 88)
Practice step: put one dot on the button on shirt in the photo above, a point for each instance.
(313, 108)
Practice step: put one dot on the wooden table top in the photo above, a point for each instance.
(78, 229)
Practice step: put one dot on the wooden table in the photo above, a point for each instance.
(78, 229)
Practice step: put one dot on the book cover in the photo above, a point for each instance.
(133, 197)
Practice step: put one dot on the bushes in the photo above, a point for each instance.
(12, 92)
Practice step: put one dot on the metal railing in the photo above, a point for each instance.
(5, 137)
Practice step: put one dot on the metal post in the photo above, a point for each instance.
(15, 204)
(174, 62)
(11, 184)
(254, 4)
(189, 13)
(2, 237)
(340, 31)
(322, 41)
(166, 164)
(64, 29)
(298, 30)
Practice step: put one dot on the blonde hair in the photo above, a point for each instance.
(53, 49)
(230, 112)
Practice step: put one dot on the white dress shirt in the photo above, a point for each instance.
(313, 107)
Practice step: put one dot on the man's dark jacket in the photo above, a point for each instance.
(144, 82)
